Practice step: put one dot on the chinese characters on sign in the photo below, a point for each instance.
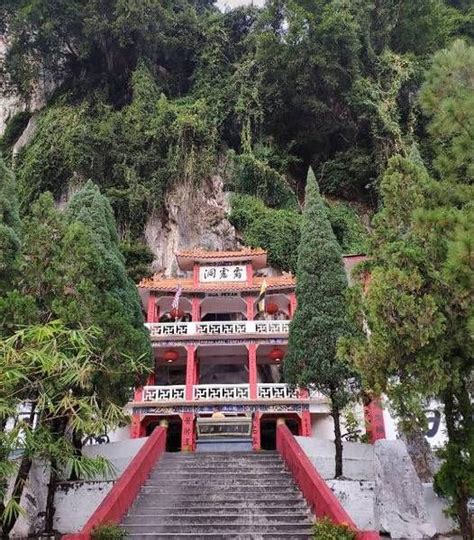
(222, 273)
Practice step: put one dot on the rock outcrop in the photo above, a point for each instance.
(400, 507)
(192, 216)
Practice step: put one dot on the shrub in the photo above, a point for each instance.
(108, 531)
(346, 224)
(325, 529)
(14, 129)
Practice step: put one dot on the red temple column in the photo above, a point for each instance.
(190, 371)
(196, 309)
(152, 312)
(137, 430)
(250, 301)
(196, 274)
(292, 306)
(249, 274)
(256, 436)
(252, 357)
(305, 424)
(374, 422)
(187, 432)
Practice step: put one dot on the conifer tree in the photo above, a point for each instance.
(320, 319)
(98, 291)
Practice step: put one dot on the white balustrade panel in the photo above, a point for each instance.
(164, 393)
(277, 391)
(221, 392)
(223, 328)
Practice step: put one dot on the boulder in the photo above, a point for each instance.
(399, 499)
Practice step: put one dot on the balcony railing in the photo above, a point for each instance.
(223, 328)
(221, 392)
(228, 392)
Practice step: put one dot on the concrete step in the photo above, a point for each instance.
(219, 480)
(222, 528)
(210, 491)
(231, 468)
(222, 501)
(227, 536)
(249, 517)
(185, 511)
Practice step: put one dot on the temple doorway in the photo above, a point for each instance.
(268, 427)
(173, 433)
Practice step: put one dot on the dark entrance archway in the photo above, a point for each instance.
(173, 435)
(268, 426)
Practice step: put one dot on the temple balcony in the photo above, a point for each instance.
(229, 393)
(197, 331)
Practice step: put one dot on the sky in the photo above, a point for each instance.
(234, 3)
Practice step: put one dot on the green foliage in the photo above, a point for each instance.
(108, 531)
(138, 259)
(448, 98)
(320, 319)
(14, 129)
(325, 529)
(134, 153)
(256, 173)
(9, 228)
(347, 226)
(277, 231)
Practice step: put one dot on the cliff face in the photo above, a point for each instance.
(193, 216)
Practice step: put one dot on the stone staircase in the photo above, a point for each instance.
(220, 495)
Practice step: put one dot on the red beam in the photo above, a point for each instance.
(320, 498)
(125, 490)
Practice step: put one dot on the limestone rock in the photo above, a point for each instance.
(399, 500)
(193, 216)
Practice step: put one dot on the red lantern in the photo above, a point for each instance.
(272, 308)
(276, 355)
(177, 313)
(171, 356)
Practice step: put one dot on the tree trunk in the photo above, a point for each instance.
(20, 481)
(50, 508)
(336, 415)
(420, 452)
(457, 413)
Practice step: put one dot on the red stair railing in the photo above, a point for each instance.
(317, 493)
(125, 490)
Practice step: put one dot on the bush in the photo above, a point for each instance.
(277, 231)
(108, 531)
(325, 529)
(14, 129)
(346, 224)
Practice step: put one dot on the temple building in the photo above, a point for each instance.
(219, 334)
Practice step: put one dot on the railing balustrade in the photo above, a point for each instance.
(221, 392)
(220, 328)
(228, 392)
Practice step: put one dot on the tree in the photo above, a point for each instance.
(9, 228)
(321, 318)
(98, 291)
(417, 310)
(50, 372)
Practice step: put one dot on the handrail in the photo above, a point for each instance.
(321, 499)
(125, 490)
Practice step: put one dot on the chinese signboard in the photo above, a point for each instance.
(222, 273)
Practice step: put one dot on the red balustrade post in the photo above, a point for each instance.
(252, 358)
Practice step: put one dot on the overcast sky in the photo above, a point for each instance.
(235, 3)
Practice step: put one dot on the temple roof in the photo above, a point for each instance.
(187, 258)
(158, 283)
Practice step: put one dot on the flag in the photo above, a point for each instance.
(175, 304)
(261, 296)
